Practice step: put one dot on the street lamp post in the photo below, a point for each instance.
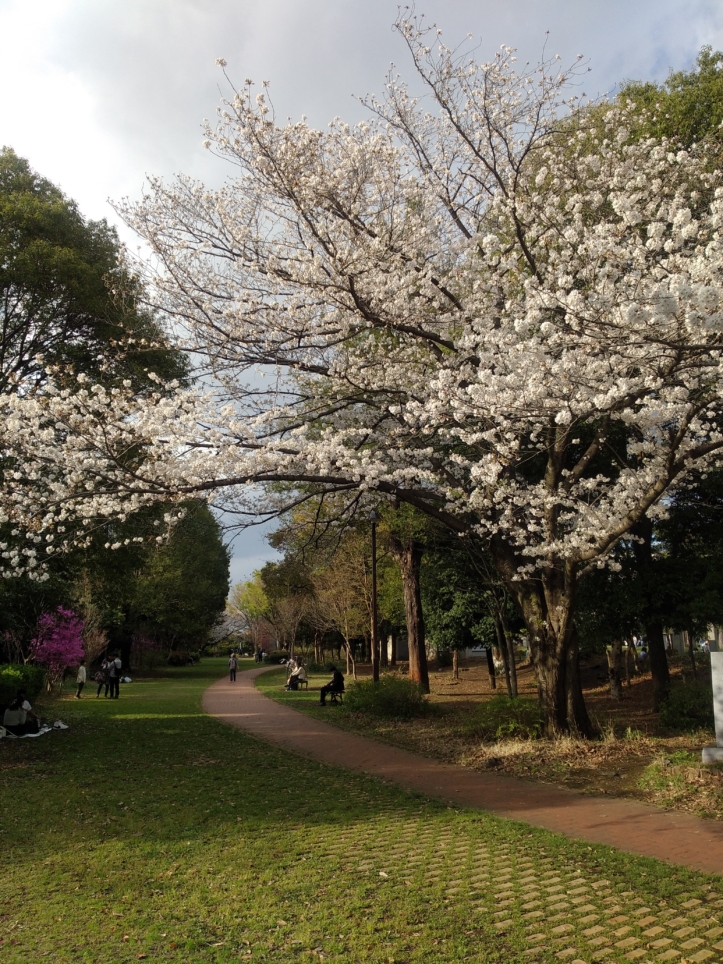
(374, 518)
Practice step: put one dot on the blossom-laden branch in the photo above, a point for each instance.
(492, 304)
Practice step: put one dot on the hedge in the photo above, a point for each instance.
(16, 676)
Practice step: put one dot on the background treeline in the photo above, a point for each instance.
(69, 305)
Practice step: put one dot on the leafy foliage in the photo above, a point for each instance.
(392, 697)
(19, 676)
(503, 717)
(689, 707)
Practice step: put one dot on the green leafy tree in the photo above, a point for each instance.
(66, 299)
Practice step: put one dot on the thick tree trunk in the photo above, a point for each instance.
(547, 607)
(615, 667)
(455, 664)
(409, 558)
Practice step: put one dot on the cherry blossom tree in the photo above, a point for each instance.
(487, 302)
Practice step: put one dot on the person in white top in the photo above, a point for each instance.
(80, 679)
(19, 717)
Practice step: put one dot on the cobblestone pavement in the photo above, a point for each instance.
(543, 909)
(678, 838)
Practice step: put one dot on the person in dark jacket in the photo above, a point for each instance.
(336, 685)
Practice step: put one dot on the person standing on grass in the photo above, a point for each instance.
(102, 678)
(80, 679)
(115, 667)
(232, 667)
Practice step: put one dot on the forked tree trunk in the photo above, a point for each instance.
(547, 607)
(409, 558)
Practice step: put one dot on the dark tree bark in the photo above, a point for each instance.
(652, 622)
(577, 715)
(491, 668)
(547, 607)
(615, 666)
(510, 651)
(409, 558)
(502, 646)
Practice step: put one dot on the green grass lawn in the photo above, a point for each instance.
(148, 831)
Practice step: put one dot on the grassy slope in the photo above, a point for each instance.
(149, 831)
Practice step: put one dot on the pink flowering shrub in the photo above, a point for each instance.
(59, 643)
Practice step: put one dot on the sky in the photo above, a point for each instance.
(99, 93)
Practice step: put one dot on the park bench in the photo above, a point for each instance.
(303, 684)
(336, 696)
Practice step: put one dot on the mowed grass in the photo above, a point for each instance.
(148, 831)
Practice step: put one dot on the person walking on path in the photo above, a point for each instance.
(80, 679)
(232, 667)
(115, 667)
(336, 685)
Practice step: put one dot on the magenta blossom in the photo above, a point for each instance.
(59, 643)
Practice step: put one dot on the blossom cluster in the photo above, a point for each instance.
(495, 304)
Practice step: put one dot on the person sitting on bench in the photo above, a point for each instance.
(296, 676)
(335, 686)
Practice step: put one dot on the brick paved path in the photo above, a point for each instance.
(625, 824)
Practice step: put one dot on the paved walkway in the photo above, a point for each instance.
(625, 824)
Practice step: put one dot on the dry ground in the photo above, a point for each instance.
(634, 756)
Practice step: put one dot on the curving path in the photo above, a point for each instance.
(625, 824)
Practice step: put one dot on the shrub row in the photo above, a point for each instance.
(391, 698)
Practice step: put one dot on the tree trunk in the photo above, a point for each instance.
(653, 625)
(392, 643)
(577, 715)
(318, 651)
(350, 664)
(510, 646)
(615, 661)
(502, 646)
(547, 607)
(455, 664)
(691, 651)
(409, 558)
(383, 652)
(659, 668)
(491, 668)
